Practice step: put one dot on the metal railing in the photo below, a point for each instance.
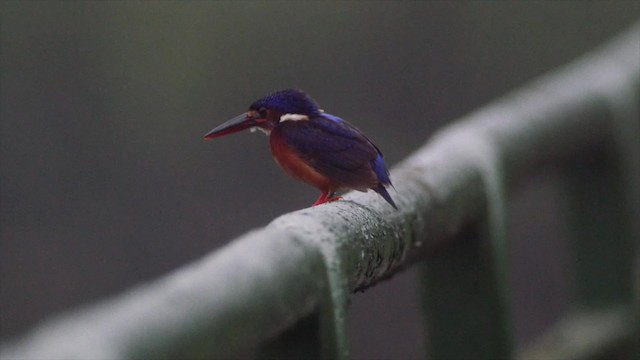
(282, 291)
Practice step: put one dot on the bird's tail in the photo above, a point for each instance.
(385, 194)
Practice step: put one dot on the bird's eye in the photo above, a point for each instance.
(262, 112)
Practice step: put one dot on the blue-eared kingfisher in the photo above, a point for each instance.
(313, 146)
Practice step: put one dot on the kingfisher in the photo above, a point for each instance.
(313, 146)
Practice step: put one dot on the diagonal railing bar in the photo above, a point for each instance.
(299, 271)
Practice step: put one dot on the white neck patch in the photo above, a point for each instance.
(294, 117)
(265, 131)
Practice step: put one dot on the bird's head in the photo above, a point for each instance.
(267, 112)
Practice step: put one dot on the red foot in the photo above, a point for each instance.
(326, 197)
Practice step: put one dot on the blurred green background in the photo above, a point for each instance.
(106, 181)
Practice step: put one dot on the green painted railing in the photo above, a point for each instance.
(282, 291)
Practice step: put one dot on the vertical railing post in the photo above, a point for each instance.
(465, 283)
(333, 311)
(602, 242)
(322, 334)
(604, 200)
(300, 341)
(604, 214)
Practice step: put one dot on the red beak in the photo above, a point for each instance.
(238, 123)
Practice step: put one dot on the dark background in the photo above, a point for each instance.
(106, 181)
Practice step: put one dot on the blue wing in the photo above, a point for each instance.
(337, 149)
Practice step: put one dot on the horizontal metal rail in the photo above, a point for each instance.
(284, 289)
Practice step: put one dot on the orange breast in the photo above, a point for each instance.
(291, 162)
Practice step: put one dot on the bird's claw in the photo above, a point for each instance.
(326, 200)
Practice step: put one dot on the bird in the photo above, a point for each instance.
(313, 146)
